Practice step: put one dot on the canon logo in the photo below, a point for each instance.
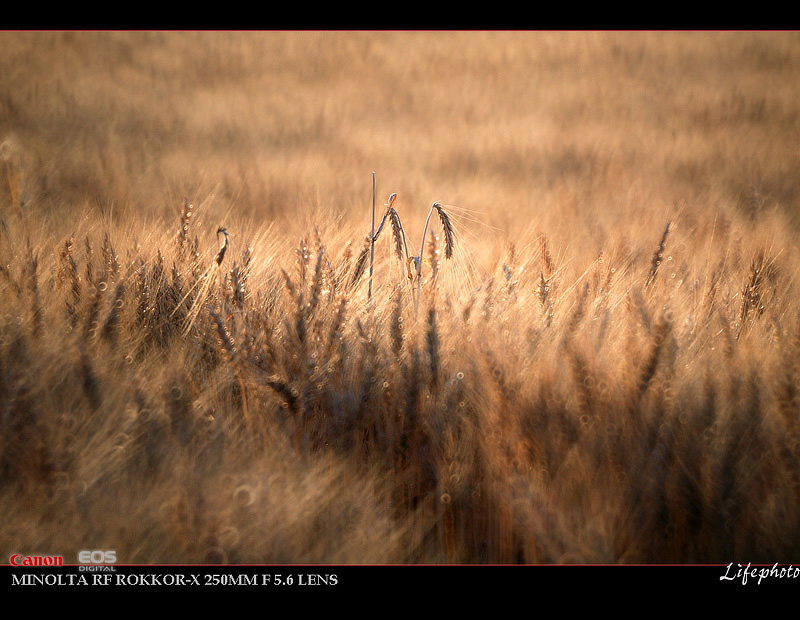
(36, 560)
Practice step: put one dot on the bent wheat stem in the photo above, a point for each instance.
(449, 238)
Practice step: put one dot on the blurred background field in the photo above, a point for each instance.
(561, 156)
(550, 127)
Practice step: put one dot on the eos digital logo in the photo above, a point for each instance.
(97, 557)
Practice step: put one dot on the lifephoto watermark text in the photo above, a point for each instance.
(758, 574)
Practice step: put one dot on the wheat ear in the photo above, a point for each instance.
(361, 262)
(658, 257)
(447, 226)
(398, 232)
(401, 247)
(373, 238)
(208, 278)
(449, 239)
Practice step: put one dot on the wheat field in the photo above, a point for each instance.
(588, 355)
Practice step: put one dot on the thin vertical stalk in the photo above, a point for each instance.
(372, 239)
(419, 259)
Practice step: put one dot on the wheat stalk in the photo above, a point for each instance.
(372, 239)
(752, 293)
(361, 262)
(397, 227)
(447, 227)
(111, 324)
(401, 247)
(368, 249)
(449, 240)
(432, 345)
(206, 281)
(228, 344)
(658, 257)
(413, 264)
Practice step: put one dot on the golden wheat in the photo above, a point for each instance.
(568, 394)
